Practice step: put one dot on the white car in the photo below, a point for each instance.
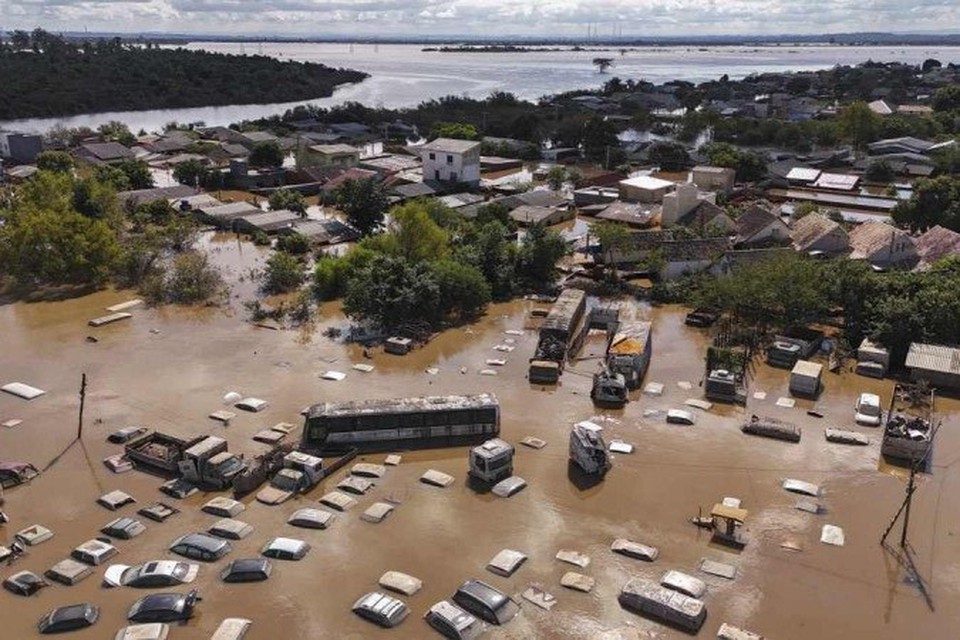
(160, 573)
(868, 410)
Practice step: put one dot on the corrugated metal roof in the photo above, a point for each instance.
(934, 357)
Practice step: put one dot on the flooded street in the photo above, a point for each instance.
(168, 368)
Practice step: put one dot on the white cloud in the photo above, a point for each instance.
(493, 18)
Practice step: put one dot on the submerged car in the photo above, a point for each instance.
(160, 573)
(486, 602)
(123, 528)
(381, 609)
(680, 416)
(14, 473)
(282, 487)
(164, 607)
(69, 618)
(867, 410)
(147, 631)
(285, 549)
(122, 436)
(24, 583)
(247, 570)
(453, 622)
(200, 546)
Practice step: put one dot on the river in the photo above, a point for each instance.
(402, 75)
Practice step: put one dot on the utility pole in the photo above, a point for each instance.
(83, 397)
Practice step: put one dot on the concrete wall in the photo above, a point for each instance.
(678, 204)
(452, 167)
(715, 181)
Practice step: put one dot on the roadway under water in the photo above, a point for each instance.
(168, 368)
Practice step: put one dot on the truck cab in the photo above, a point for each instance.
(588, 450)
(310, 466)
(491, 461)
(208, 463)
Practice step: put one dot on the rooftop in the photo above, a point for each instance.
(449, 145)
(934, 357)
(334, 149)
(648, 183)
(870, 237)
(403, 405)
(936, 244)
(811, 228)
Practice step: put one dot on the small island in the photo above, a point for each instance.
(45, 75)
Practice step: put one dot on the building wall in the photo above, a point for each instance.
(834, 242)
(678, 204)
(937, 379)
(899, 251)
(776, 230)
(711, 181)
(311, 158)
(630, 193)
(673, 270)
(452, 167)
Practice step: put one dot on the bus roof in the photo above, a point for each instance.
(403, 405)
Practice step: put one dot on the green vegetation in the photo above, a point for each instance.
(284, 272)
(434, 267)
(294, 243)
(126, 175)
(266, 154)
(289, 199)
(749, 166)
(894, 308)
(50, 76)
(669, 156)
(363, 202)
(56, 161)
(879, 171)
(935, 201)
(455, 130)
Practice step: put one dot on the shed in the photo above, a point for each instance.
(805, 378)
(269, 222)
(937, 364)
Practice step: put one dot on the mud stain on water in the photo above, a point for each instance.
(169, 368)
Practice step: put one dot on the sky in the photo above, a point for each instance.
(485, 18)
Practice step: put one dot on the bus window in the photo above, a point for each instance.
(435, 418)
(341, 423)
(411, 419)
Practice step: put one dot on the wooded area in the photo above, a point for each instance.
(43, 75)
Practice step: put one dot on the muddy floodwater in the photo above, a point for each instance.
(169, 368)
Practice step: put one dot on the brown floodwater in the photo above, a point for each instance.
(169, 368)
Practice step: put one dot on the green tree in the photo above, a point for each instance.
(934, 202)
(95, 199)
(455, 130)
(138, 174)
(463, 291)
(880, 171)
(266, 154)
(56, 161)
(859, 124)
(612, 236)
(600, 143)
(749, 166)
(363, 202)
(284, 272)
(418, 237)
(191, 279)
(947, 98)
(670, 156)
(295, 243)
(191, 172)
(542, 248)
(117, 132)
(392, 292)
(289, 199)
(556, 177)
(49, 247)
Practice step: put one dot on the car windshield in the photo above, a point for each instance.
(284, 482)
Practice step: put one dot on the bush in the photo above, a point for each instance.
(191, 279)
(284, 273)
(293, 243)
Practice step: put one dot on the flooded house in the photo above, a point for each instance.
(937, 364)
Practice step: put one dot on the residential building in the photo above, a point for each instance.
(526, 215)
(714, 178)
(645, 189)
(882, 245)
(708, 219)
(685, 200)
(816, 233)
(451, 161)
(692, 255)
(936, 244)
(21, 148)
(329, 155)
(836, 181)
(138, 197)
(758, 227)
(268, 222)
(937, 364)
(632, 214)
(100, 153)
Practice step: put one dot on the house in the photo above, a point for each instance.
(22, 148)
(882, 245)
(905, 144)
(594, 196)
(253, 138)
(413, 190)
(707, 218)
(138, 197)
(714, 178)
(637, 247)
(758, 227)
(836, 181)
(935, 245)
(223, 215)
(268, 222)
(629, 213)
(100, 153)
(645, 189)
(816, 233)
(683, 201)
(329, 155)
(914, 110)
(937, 364)
(451, 161)
(321, 232)
(526, 215)
(802, 176)
(692, 255)
(457, 201)
(389, 164)
(880, 107)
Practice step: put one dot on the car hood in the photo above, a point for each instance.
(272, 495)
(114, 574)
(865, 419)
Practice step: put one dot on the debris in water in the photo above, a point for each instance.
(786, 403)
(653, 389)
(432, 371)
(10, 424)
(365, 368)
(488, 372)
(619, 446)
(685, 385)
(719, 569)
(577, 581)
(539, 597)
(392, 460)
(573, 557)
(22, 390)
(832, 535)
(808, 506)
(533, 442)
(335, 376)
(223, 416)
(791, 545)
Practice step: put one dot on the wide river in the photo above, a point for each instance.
(402, 75)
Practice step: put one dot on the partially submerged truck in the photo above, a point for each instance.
(203, 461)
(629, 352)
(588, 450)
(491, 461)
(159, 451)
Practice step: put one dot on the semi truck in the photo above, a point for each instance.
(629, 352)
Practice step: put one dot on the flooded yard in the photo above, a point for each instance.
(169, 368)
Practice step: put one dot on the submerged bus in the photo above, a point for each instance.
(433, 421)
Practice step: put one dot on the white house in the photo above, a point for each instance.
(447, 160)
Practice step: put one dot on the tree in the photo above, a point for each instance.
(20, 40)
(934, 202)
(129, 174)
(463, 291)
(612, 236)
(192, 279)
(392, 292)
(947, 98)
(930, 63)
(880, 171)
(50, 247)
(749, 166)
(56, 161)
(542, 248)
(556, 177)
(602, 64)
(804, 209)
(670, 156)
(284, 272)
(266, 154)
(600, 142)
(289, 199)
(117, 132)
(95, 199)
(859, 124)
(190, 172)
(294, 243)
(418, 237)
(455, 130)
(363, 202)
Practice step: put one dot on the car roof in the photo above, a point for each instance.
(249, 564)
(163, 601)
(286, 544)
(201, 540)
(479, 590)
(452, 614)
(159, 567)
(380, 604)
